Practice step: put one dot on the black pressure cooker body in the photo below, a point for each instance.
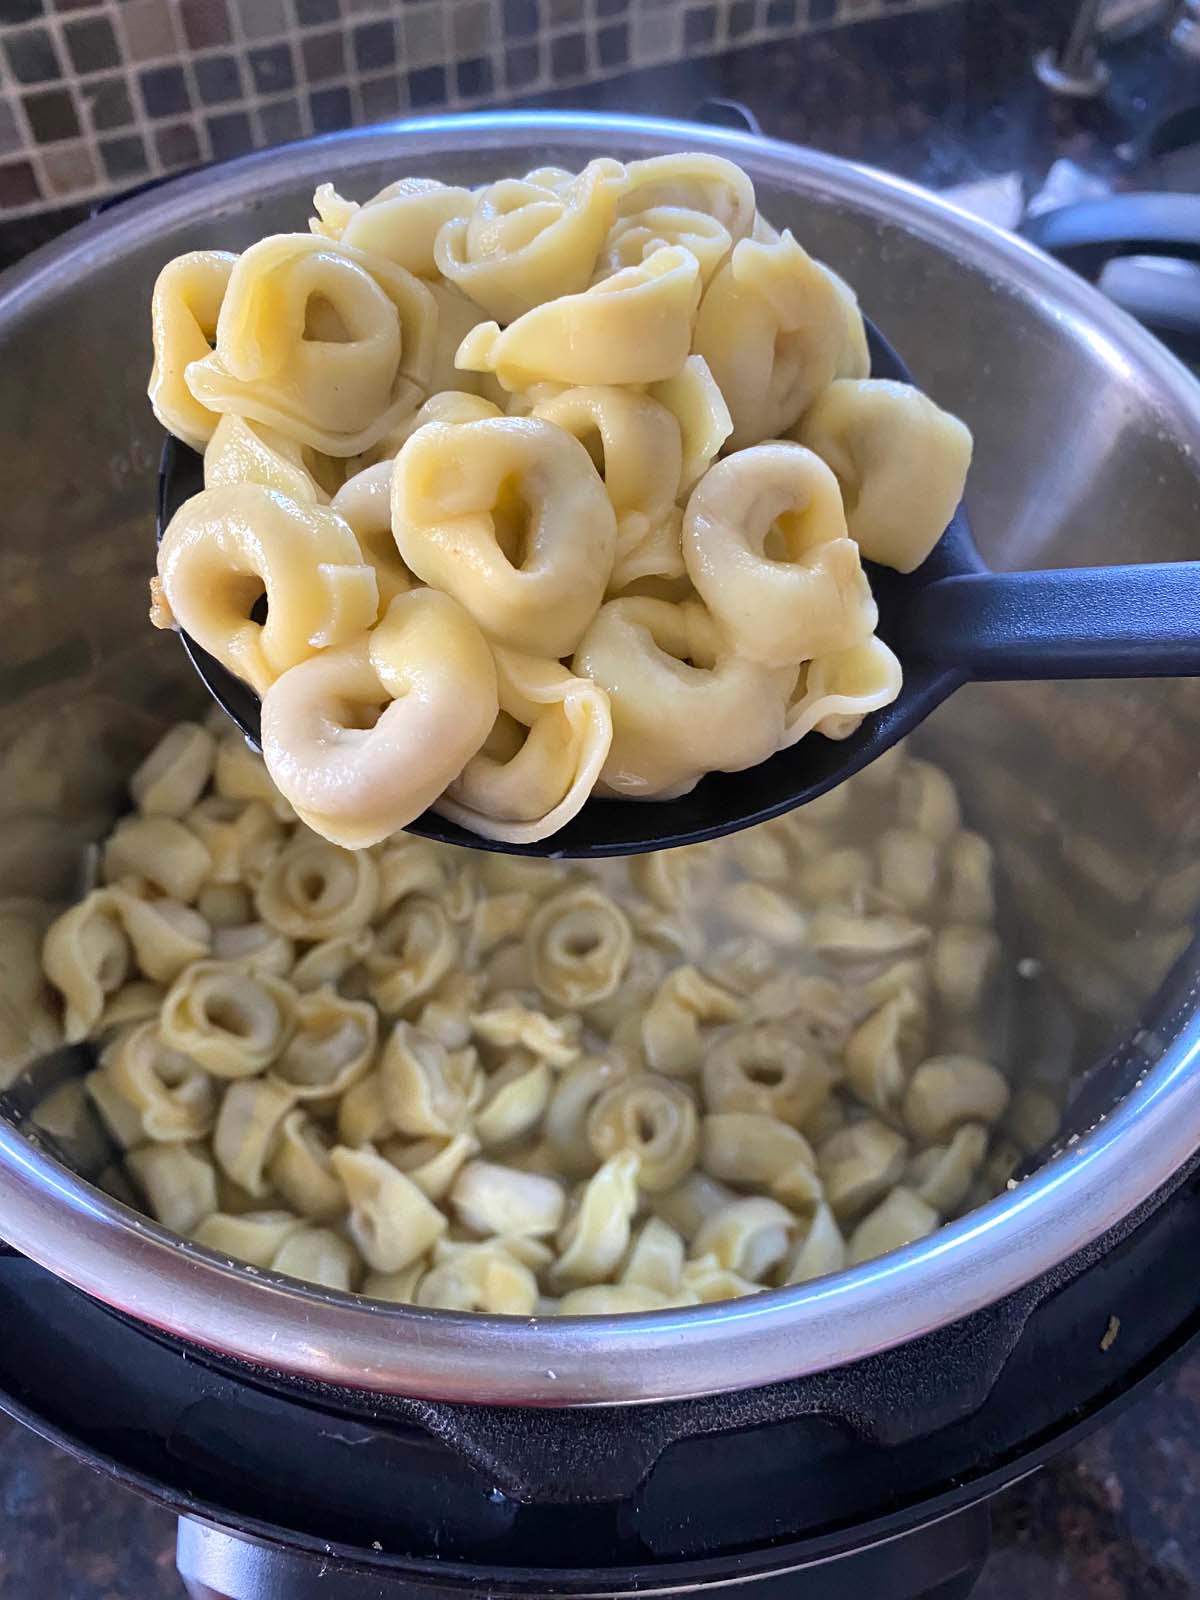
(867, 1480)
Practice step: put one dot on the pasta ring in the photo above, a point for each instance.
(835, 692)
(431, 670)
(542, 758)
(901, 462)
(772, 326)
(184, 311)
(765, 541)
(530, 240)
(315, 338)
(635, 327)
(509, 516)
(225, 546)
(682, 705)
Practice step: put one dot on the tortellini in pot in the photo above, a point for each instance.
(173, 776)
(425, 1088)
(655, 1119)
(390, 1220)
(596, 1233)
(579, 943)
(478, 1277)
(229, 1022)
(332, 1046)
(173, 1098)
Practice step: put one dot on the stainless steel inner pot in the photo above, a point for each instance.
(1088, 438)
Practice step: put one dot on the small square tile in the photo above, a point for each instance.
(218, 79)
(822, 10)
(471, 23)
(368, 7)
(51, 115)
(425, 35)
(69, 170)
(13, 11)
(781, 13)
(18, 185)
(427, 87)
(473, 78)
(280, 121)
(32, 56)
(562, 13)
(331, 109)
(205, 22)
(149, 29)
(655, 37)
(124, 158)
(741, 18)
(73, 5)
(164, 91)
(229, 134)
(699, 26)
(381, 98)
(92, 44)
(521, 18)
(272, 68)
(568, 56)
(262, 19)
(324, 56)
(316, 13)
(108, 104)
(611, 8)
(177, 145)
(522, 66)
(374, 46)
(612, 45)
(10, 134)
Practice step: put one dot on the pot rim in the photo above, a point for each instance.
(134, 1265)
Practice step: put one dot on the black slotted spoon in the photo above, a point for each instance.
(951, 621)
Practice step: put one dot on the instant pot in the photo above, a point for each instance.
(839, 1437)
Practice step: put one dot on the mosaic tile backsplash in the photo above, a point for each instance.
(97, 96)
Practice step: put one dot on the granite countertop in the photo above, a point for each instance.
(946, 98)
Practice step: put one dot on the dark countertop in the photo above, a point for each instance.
(944, 97)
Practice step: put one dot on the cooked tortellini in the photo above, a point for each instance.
(555, 487)
(517, 1087)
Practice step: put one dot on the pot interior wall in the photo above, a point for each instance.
(1087, 791)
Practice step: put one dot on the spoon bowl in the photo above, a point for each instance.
(950, 621)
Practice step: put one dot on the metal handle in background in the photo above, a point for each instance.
(717, 112)
(940, 1561)
(1103, 622)
(1116, 232)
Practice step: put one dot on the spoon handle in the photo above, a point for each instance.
(1081, 622)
